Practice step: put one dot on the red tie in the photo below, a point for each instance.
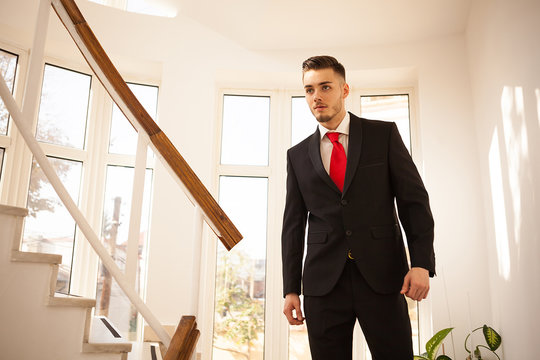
(338, 160)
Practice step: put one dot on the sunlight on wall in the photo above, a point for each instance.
(516, 147)
(537, 92)
(499, 209)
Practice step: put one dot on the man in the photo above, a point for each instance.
(344, 181)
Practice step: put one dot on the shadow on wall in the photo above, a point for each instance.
(513, 156)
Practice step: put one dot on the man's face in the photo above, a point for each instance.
(325, 94)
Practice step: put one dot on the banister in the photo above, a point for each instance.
(122, 95)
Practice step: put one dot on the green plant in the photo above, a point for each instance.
(493, 340)
(432, 347)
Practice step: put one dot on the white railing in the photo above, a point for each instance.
(23, 120)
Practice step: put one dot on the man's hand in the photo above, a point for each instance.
(416, 284)
(292, 302)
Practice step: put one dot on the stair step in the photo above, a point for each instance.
(24, 256)
(71, 300)
(104, 337)
(13, 210)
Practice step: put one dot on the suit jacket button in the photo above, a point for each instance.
(348, 232)
(344, 202)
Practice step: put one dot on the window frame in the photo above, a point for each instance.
(276, 326)
(94, 157)
(11, 142)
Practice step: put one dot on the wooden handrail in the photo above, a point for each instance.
(122, 95)
(184, 340)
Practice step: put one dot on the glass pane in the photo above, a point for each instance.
(246, 122)
(64, 106)
(111, 300)
(241, 273)
(49, 228)
(303, 121)
(123, 138)
(389, 108)
(303, 125)
(395, 108)
(8, 67)
(2, 150)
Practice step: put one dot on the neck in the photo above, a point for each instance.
(333, 123)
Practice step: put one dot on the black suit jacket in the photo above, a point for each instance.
(363, 218)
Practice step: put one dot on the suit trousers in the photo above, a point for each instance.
(384, 320)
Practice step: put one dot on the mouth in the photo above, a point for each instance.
(319, 107)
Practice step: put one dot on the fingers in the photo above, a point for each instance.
(292, 308)
(406, 285)
(416, 284)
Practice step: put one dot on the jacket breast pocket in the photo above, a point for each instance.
(317, 237)
(371, 163)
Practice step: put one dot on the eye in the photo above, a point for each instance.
(309, 91)
(326, 87)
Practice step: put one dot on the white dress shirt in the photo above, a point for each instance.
(326, 144)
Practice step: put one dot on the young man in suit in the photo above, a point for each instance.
(344, 181)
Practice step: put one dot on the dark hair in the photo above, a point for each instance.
(323, 62)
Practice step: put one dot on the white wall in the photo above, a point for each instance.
(194, 61)
(504, 56)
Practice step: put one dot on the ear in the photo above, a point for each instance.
(345, 90)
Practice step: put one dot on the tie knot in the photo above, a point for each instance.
(333, 136)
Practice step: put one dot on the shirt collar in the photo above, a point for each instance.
(342, 128)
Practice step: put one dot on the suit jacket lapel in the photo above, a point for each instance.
(315, 156)
(355, 148)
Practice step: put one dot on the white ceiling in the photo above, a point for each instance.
(309, 24)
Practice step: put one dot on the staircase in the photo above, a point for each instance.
(36, 322)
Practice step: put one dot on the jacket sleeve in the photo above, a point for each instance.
(412, 202)
(293, 233)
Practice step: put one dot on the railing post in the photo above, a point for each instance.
(35, 65)
(196, 272)
(30, 103)
(132, 255)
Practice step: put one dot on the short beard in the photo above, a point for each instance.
(323, 119)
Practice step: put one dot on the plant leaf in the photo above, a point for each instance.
(432, 346)
(416, 357)
(493, 339)
(443, 357)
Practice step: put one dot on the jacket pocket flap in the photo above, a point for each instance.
(317, 237)
(383, 231)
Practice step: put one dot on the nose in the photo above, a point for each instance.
(316, 95)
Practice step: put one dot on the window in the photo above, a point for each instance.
(123, 137)
(396, 108)
(110, 298)
(256, 129)
(147, 7)
(49, 228)
(239, 325)
(245, 127)
(61, 128)
(122, 140)
(8, 67)
(389, 108)
(380, 107)
(64, 107)
(8, 70)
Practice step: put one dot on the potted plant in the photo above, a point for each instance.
(432, 347)
(493, 341)
(492, 338)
